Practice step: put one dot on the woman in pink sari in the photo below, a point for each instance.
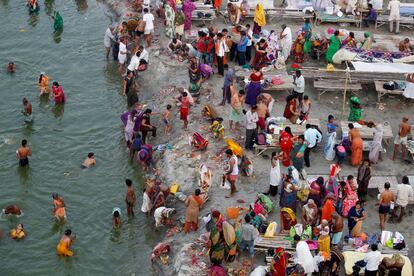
(351, 196)
(188, 8)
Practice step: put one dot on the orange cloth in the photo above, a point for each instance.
(217, 4)
(356, 147)
(193, 204)
(63, 248)
(327, 210)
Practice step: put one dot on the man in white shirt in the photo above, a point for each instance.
(134, 63)
(249, 46)
(312, 138)
(286, 41)
(221, 49)
(373, 260)
(404, 192)
(299, 82)
(394, 7)
(109, 37)
(149, 26)
(251, 119)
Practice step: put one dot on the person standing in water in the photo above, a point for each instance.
(23, 153)
(59, 207)
(149, 26)
(58, 93)
(43, 83)
(63, 247)
(130, 197)
(90, 161)
(116, 218)
(27, 111)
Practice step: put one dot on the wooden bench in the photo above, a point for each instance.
(289, 15)
(263, 244)
(384, 250)
(325, 85)
(300, 129)
(407, 22)
(368, 133)
(195, 17)
(260, 149)
(381, 91)
(377, 182)
(323, 17)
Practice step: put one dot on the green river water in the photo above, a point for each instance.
(60, 140)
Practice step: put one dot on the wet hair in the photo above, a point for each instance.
(229, 152)
(128, 182)
(241, 92)
(405, 180)
(145, 10)
(185, 94)
(21, 225)
(351, 34)
(288, 130)
(247, 218)
(40, 78)
(351, 126)
(24, 142)
(296, 238)
(91, 154)
(68, 232)
(169, 106)
(330, 117)
(116, 214)
(374, 247)
(55, 83)
(25, 100)
(336, 33)
(387, 185)
(55, 195)
(197, 192)
(308, 126)
(147, 111)
(350, 177)
(305, 97)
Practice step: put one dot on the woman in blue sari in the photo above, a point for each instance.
(288, 194)
(356, 216)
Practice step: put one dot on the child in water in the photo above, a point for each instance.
(11, 67)
(90, 161)
(166, 120)
(116, 218)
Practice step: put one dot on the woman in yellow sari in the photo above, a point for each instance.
(43, 83)
(18, 232)
(63, 247)
(259, 19)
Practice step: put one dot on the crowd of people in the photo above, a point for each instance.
(319, 205)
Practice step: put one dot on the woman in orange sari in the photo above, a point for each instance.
(63, 247)
(43, 83)
(59, 210)
(356, 145)
(193, 203)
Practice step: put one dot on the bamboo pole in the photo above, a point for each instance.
(347, 78)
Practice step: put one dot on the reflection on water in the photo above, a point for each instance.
(57, 36)
(33, 19)
(82, 5)
(24, 174)
(58, 110)
(49, 4)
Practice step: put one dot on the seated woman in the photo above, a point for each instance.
(355, 218)
(287, 219)
(18, 232)
(234, 13)
(266, 202)
(288, 194)
(309, 213)
(350, 41)
(298, 47)
(367, 42)
(405, 46)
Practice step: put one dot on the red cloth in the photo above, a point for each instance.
(184, 113)
(287, 113)
(58, 94)
(327, 210)
(280, 263)
(254, 77)
(261, 123)
(202, 44)
(286, 145)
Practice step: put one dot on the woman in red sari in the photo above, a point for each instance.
(286, 145)
(279, 262)
(193, 203)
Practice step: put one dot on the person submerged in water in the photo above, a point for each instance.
(130, 198)
(63, 247)
(116, 218)
(43, 83)
(23, 153)
(59, 207)
(12, 210)
(18, 232)
(11, 67)
(89, 161)
(27, 111)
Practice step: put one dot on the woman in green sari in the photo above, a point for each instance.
(355, 112)
(170, 21)
(334, 46)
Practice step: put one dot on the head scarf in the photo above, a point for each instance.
(259, 15)
(289, 212)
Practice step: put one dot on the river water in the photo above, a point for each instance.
(60, 140)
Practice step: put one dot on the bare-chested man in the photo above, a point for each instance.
(27, 111)
(130, 198)
(384, 203)
(139, 31)
(401, 139)
(23, 153)
(262, 113)
(268, 100)
(236, 109)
